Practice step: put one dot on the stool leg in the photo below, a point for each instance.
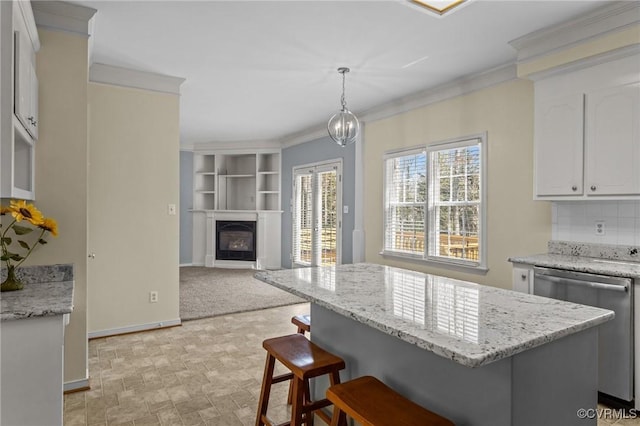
(263, 402)
(307, 400)
(298, 401)
(339, 418)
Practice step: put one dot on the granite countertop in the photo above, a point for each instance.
(48, 290)
(468, 323)
(602, 259)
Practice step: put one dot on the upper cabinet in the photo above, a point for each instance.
(587, 133)
(19, 97)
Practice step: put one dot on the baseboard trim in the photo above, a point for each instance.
(76, 386)
(186, 264)
(134, 328)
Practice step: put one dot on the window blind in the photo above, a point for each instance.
(405, 194)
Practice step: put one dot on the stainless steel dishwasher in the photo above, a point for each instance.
(615, 338)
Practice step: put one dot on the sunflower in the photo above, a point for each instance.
(4, 210)
(50, 225)
(21, 210)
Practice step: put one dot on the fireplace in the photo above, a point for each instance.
(235, 240)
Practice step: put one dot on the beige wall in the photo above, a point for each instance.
(61, 174)
(133, 176)
(619, 39)
(516, 224)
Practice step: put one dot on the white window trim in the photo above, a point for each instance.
(461, 265)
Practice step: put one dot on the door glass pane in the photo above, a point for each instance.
(328, 217)
(303, 219)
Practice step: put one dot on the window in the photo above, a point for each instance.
(434, 202)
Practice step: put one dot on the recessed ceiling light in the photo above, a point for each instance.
(439, 7)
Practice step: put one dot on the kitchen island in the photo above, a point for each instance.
(32, 323)
(475, 354)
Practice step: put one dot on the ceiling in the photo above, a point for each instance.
(264, 70)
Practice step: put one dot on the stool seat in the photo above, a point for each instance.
(303, 322)
(305, 360)
(302, 357)
(372, 403)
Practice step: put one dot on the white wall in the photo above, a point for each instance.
(133, 176)
(61, 174)
(576, 221)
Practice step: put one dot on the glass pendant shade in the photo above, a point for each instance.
(343, 127)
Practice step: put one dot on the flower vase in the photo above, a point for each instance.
(12, 283)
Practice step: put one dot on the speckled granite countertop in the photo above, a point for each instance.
(48, 290)
(468, 323)
(602, 259)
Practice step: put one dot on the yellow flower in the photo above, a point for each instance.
(21, 210)
(4, 210)
(50, 225)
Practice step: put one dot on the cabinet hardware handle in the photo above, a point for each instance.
(593, 187)
(92, 255)
(524, 277)
(574, 188)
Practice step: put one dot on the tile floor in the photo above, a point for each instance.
(207, 372)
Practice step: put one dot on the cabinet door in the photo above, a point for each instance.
(559, 145)
(613, 141)
(22, 94)
(521, 280)
(33, 90)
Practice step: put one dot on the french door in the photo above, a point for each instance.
(317, 214)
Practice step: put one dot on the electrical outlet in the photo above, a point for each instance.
(172, 209)
(600, 228)
(153, 297)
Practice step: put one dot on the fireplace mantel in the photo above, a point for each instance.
(267, 241)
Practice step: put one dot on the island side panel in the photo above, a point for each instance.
(467, 396)
(553, 381)
(32, 365)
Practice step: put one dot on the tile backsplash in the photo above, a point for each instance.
(577, 221)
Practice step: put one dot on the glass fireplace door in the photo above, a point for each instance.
(317, 220)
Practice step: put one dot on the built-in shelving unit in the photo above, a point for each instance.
(237, 181)
(241, 185)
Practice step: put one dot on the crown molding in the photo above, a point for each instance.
(590, 61)
(232, 146)
(610, 18)
(61, 16)
(307, 135)
(125, 77)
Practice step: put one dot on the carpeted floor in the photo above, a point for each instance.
(209, 292)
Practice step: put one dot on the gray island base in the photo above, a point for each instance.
(475, 354)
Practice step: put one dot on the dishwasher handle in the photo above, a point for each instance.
(590, 284)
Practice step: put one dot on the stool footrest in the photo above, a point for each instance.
(282, 378)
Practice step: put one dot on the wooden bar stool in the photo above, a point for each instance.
(372, 403)
(303, 322)
(304, 360)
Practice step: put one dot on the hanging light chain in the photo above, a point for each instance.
(343, 99)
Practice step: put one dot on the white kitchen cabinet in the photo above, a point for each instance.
(612, 141)
(587, 133)
(522, 279)
(26, 82)
(18, 100)
(559, 145)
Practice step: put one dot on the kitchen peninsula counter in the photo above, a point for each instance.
(475, 354)
(32, 323)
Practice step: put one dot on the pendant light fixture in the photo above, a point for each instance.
(343, 127)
